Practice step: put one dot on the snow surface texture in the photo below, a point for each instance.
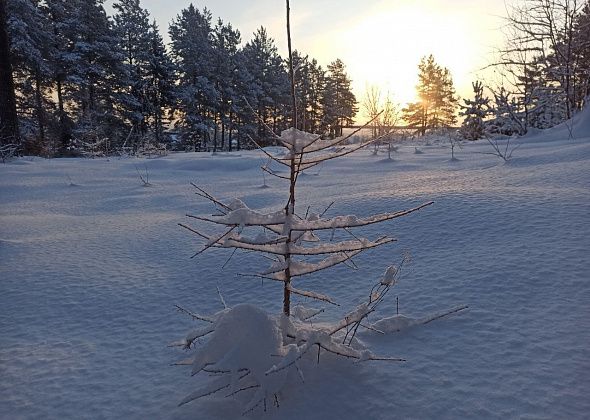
(92, 262)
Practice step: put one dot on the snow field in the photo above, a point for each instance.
(90, 273)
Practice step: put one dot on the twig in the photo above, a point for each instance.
(221, 298)
(449, 312)
(216, 241)
(202, 193)
(229, 258)
(193, 315)
(194, 231)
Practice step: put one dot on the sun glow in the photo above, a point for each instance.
(380, 41)
(384, 46)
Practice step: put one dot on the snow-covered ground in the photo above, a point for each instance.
(92, 263)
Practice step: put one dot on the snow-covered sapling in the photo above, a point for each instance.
(290, 238)
(475, 111)
(455, 141)
(251, 351)
(247, 348)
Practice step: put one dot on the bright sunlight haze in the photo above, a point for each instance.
(381, 41)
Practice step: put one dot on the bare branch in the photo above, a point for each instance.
(271, 172)
(193, 315)
(202, 193)
(312, 295)
(214, 242)
(196, 232)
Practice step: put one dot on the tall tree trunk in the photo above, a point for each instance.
(222, 134)
(63, 123)
(290, 207)
(230, 129)
(39, 105)
(215, 130)
(8, 117)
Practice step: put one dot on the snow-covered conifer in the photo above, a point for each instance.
(160, 89)
(269, 85)
(191, 43)
(225, 42)
(132, 27)
(88, 74)
(475, 111)
(338, 101)
(506, 115)
(32, 47)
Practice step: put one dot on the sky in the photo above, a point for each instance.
(380, 41)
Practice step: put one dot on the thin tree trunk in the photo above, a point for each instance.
(215, 130)
(40, 110)
(222, 135)
(64, 131)
(231, 126)
(290, 207)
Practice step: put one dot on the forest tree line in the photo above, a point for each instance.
(82, 81)
(86, 81)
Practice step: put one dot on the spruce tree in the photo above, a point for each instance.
(506, 115)
(475, 111)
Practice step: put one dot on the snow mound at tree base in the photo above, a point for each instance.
(251, 353)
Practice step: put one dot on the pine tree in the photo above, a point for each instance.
(436, 94)
(309, 90)
(301, 68)
(225, 42)
(246, 92)
(475, 111)
(133, 31)
(317, 82)
(159, 91)
(192, 51)
(62, 26)
(339, 103)
(88, 75)
(269, 84)
(31, 53)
